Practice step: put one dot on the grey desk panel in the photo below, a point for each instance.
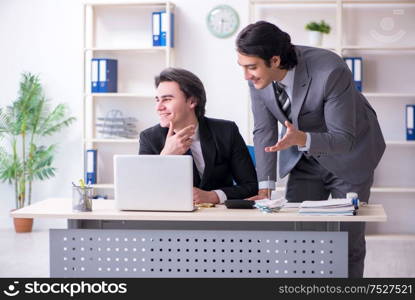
(197, 253)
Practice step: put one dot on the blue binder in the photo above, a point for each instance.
(357, 73)
(355, 66)
(94, 75)
(156, 24)
(163, 27)
(107, 75)
(410, 120)
(91, 166)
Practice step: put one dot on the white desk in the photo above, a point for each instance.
(105, 210)
(209, 242)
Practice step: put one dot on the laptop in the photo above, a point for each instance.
(153, 182)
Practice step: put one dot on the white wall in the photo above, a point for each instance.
(45, 37)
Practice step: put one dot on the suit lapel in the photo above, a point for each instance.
(301, 84)
(208, 145)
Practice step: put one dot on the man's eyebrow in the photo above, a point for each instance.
(247, 65)
(165, 96)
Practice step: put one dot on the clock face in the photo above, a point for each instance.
(222, 21)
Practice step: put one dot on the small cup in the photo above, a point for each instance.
(82, 198)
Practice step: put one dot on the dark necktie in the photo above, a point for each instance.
(282, 99)
(196, 176)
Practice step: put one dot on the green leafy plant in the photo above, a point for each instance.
(22, 126)
(322, 27)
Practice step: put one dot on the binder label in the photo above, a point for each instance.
(357, 70)
(102, 70)
(410, 117)
(94, 76)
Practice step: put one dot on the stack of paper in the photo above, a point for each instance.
(337, 207)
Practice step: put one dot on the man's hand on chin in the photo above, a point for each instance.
(179, 142)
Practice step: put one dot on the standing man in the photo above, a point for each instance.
(222, 167)
(330, 142)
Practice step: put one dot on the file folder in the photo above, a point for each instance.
(355, 66)
(107, 75)
(163, 26)
(94, 75)
(357, 73)
(349, 63)
(91, 166)
(410, 120)
(156, 24)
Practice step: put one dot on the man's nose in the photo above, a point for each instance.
(248, 76)
(159, 106)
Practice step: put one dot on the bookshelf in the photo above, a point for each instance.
(121, 31)
(385, 39)
(120, 95)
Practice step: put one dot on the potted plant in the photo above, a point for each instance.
(23, 156)
(316, 31)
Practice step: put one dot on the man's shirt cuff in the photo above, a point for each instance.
(221, 195)
(306, 148)
(266, 185)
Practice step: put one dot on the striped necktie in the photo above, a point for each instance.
(282, 98)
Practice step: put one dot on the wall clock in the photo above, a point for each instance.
(222, 21)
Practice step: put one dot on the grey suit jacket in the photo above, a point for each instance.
(345, 135)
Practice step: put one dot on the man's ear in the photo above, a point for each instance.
(275, 61)
(193, 102)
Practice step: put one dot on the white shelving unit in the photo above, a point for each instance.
(400, 143)
(389, 95)
(122, 31)
(120, 95)
(366, 29)
(116, 141)
(103, 186)
(144, 49)
(374, 190)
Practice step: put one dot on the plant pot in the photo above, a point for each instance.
(315, 38)
(22, 224)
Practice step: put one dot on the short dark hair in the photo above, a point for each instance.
(266, 40)
(189, 84)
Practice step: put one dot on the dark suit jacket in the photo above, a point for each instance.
(224, 151)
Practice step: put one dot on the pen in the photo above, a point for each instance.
(269, 190)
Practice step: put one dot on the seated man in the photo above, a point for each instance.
(219, 153)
